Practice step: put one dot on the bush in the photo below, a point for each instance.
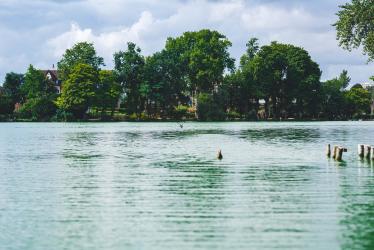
(209, 109)
(6, 105)
(180, 111)
(37, 109)
(63, 116)
(233, 115)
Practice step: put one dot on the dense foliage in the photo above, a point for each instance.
(193, 77)
(355, 26)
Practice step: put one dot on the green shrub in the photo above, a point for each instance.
(63, 116)
(209, 109)
(233, 115)
(37, 109)
(180, 111)
(6, 105)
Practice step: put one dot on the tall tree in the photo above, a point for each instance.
(165, 83)
(285, 74)
(252, 49)
(358, 101)
(80, 53)
(355, 26)
(205, 56)
(12, 86)
(333, 97)
(109, 91)
(36, 84)
(40, 95)
(129, 67)
(79, 91)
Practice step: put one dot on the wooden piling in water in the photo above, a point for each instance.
(339, 156)
(334, 152)
(372, 154)
(219, 155)
(367, 151)
(361, 150)
(328, 151)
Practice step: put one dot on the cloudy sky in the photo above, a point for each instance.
(38, 32)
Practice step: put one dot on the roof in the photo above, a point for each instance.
(53, 73)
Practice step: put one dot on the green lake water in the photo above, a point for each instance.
(158, 186)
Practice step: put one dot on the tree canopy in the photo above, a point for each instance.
(355, 26)
(80, 53)
(79, 90)
(205, 57)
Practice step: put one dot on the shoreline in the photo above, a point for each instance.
(185, 121)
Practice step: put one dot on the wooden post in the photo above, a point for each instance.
(328, 150)
(219, 155)
(372, 153)
(339, 155)
(361, 150)
(367, 151)
(334, 152)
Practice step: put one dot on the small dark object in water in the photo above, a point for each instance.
(328, 150)
(220, 156)
(181, 125)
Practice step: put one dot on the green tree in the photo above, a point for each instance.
(252, 49)
(36, 84)
(40, 95)
(205, 57)
(164, 83)
(6, 103)
(129, 67)
(355, 26)
(79, 90)
(358, 101)
(333, 97)
(80, 53)
(109, 91)
(287, 77)
(39, 108)
(210, 107)
(12, 87)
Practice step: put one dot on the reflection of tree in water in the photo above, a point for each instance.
(358, 221)
(82, 147)
(196, 179)
(167, 135)
(274, 134)
(282, 134)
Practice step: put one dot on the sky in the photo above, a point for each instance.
(39, 31)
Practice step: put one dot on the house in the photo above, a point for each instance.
(52, 74)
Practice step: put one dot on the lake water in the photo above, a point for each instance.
(158, 186)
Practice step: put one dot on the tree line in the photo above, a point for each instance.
(194, 77)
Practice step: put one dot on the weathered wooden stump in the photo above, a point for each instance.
(367, 151)
(334, 152)
(219, 155)
(339, 156)
(361, 150)
(328, 150)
